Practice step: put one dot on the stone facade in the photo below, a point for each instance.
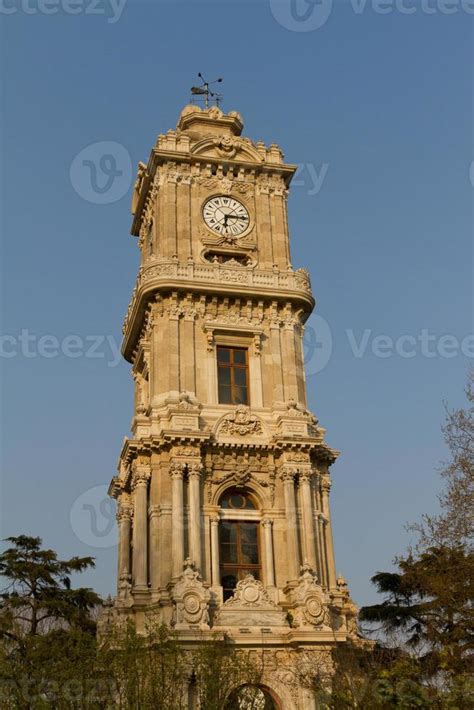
(197, 290)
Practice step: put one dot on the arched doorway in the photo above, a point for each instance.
(239, 539)
(250, 697)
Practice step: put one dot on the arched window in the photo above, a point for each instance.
(250, 697)
(239, 551)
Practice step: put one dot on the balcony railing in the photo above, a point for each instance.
(212, 274)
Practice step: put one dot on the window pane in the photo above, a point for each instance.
(236, 499)
(240, 395)
(249, 555)
(223, 354)
(225, 396)
(240, 376)
(229, 553)
(240, 357)
(228, 531)
(248, 533)
(224, 375)
(229, 582)
(243, 572)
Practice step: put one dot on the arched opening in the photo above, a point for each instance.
(239, 546)
(250, 697)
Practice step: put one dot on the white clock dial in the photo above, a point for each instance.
(226, 216)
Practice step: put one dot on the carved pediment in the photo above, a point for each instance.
(227, 147)
(250, 605)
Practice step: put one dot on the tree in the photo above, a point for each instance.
(47, 632)
(38, 594)
(227, 678)
(430, 600)
(455, 524)
(145, 671)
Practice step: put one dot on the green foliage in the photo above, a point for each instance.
(217, 669)
(47, 633)
(147, 671)
(431, 600)
(38, 593)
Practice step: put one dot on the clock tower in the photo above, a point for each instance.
(223, 487)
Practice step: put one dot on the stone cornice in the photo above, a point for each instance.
(211, 279)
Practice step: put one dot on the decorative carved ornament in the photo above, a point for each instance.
(250, 605)
(250, 592)
(191, 600)
(310, 604)
(241, 422)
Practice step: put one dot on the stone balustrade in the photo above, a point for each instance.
(160, 271)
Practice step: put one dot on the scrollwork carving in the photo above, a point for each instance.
(241, 422)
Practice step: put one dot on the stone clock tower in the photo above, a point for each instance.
(223, 487)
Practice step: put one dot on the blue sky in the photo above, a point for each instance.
(377, 105)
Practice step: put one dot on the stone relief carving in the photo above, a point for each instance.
(241, 476)
(141, 172)
(297, 410)
(250, 605)
(227, 146)
(125, 597)
(241, 422)
(191, 600)
(310, 607)
(185, 402)
(250, 592)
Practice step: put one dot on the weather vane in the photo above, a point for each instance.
(204, 90)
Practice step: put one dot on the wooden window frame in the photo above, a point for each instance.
(232, 367)
(235, 568)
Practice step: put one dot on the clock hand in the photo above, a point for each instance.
(236, 216)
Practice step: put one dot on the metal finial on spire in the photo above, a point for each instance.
(204, 90)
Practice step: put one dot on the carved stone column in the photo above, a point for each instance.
(277, 369)
(289, 357)
(215, 571)
(308, 523)
(319, 554)
(154, 514)
(322, 539)
(269, 565)
(124, 517)
(140, 528)
(325, 487)
(288, 478)
(194, 476)
(177, 521)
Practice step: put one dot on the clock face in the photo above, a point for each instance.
(226, 216)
